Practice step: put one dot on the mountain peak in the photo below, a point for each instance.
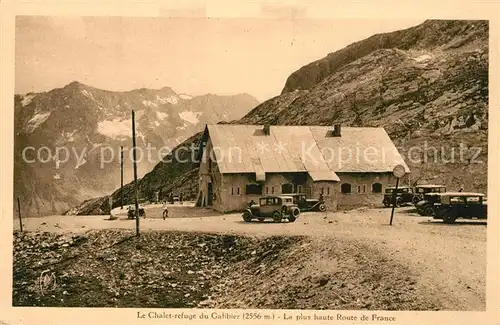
(75, 84)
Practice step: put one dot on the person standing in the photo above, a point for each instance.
(165, 211)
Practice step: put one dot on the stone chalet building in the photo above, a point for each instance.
(350, 166)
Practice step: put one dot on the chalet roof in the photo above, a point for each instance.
(312, 149)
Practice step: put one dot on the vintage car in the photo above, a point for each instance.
(465, 205)
(131, 212)
(305, 204)
(403, 195)
(425, 197)
(275, 207)
(428, 189)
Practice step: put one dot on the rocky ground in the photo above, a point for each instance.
(113, 268)
(343, 260)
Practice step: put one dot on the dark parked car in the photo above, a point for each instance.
(131, 212)
(305, 204)
(403, 195)
(428, 189)
(425, 198)
(454, 205)
(275, 207)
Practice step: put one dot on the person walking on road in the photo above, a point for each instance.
(165, 211)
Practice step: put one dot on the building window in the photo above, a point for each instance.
(253, 189)
(287, 188)
(267, 190)
(377, 188)
(299, 188)
(345, 188)
(235, 190)
(361, 188)
(328, 190)
(272, 190)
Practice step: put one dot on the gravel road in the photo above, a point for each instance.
(450, 259)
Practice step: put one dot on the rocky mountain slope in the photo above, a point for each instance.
(67, 141)
(426, 85)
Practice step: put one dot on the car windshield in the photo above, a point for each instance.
(288, 200)
(456, 199)
(270, 201)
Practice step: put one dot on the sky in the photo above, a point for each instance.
(191, 55)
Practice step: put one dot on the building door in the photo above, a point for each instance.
(210, 194)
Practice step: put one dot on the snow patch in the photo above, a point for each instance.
(87, 94)
(27, 99)
(161, 115)
(149, 103)
(191, 117)
(171, 99)
(423, 58)
(185, 96)
(157, 123)
(36, 120)
(115, 128)
(57, 176)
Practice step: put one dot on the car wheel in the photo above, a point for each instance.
(399, 201)
(291, 218)
(322, 207)
(247, 217)
(277, 216)
(386, 203)
(415, 200)
(429, 210)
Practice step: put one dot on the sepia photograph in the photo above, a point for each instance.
(223, 164)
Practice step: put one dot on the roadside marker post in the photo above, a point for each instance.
(19, 211)
(398, 171)
(135, 176)
(121, 177)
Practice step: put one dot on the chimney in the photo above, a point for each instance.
(267, 129)
(336, 130)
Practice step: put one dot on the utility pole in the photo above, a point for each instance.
(20, 218)
(135, 176)
(121, 176)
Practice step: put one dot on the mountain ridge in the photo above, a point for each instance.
(426, 85)
(88, 125)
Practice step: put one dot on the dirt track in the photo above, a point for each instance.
(450, 260)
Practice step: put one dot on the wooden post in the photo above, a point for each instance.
(135, 176)
(393, 199)
(121, 177)
(19, 211)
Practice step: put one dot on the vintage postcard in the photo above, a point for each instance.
(249, 162)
